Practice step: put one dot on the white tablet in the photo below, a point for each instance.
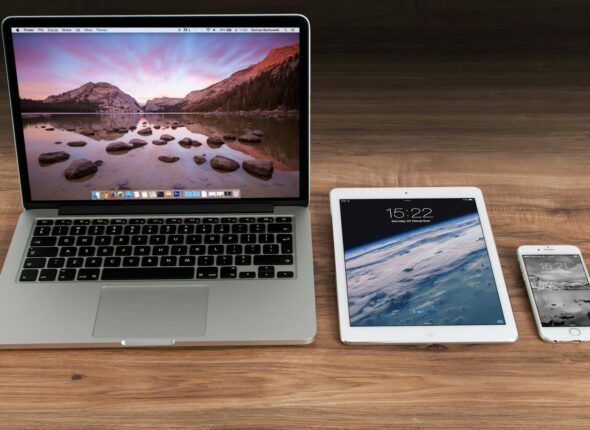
(418, 265)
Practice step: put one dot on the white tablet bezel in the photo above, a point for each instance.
(419, 334)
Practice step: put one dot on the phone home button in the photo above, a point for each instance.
(575, 331)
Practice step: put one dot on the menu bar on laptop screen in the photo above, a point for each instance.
(155, 30)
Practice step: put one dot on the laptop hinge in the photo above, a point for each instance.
(166, 209)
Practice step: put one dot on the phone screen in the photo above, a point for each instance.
(560, 288)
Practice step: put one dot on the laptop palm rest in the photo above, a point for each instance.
(145, 312)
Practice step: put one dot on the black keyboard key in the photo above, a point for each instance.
(285, 274)
(243, 260)
(204, 228)
(174, 221)
(96, 230)
(187, 260)
(273, 260)
(212, 238)
(139, 240)
(186, 229)
(266, 272)
(74, 262)
(28, 275)
(210, 220)
(221, 228)
(229, 272)
(56, 263)
(197, 249)
(60, 230)
(205, 260)
(247, 219)
(78, 230)
(84, 240)
(137, 221)
(87, 251)
(247, 238)
(161, 250)
(233, 249)
(168, 261)
(270, 249)
(103, 240)
(66, 241)
(149, 229)
(48, 275)
(42, 251)
(121, 240)
(67, 275)
(44, 222)
(102, 221)
(34, 263)
(131, 229)
(112, 262)
(93, 262)
(63, 222)
(179, 250)
(88, 274)
(224, 260)
(192, 220)
(68, 251)
(280, 228)
(265, 219)
(168, 229)
(43, 241)
(105, 251)
(130, 261)
(125, 274)
(266, 238)
(118, 221)
(252, 249)
(215, 249)
(287, 248)
(257, 228)
(194, 239)
(81, 222)
(156, 221)
(149, 261)
(114, 230)
(123, 250)
(41, 231)
(239, 228)
(230, 220)
(142, 250)
(207, 272)
(158, 240)
(247, 275)
(175, 239)
(284, 219)
(229, 238)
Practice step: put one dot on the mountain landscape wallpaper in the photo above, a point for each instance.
(151, 111)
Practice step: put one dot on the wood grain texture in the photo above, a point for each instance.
(491, 94)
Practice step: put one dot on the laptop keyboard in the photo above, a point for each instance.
(146, 248)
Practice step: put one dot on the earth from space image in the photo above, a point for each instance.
(439, 274)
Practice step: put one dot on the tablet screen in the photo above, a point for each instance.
(415, 262)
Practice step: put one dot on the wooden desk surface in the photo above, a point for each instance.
(516, 127)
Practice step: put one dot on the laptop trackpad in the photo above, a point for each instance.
(136, 312)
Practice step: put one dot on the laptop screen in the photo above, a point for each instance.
(159, 113)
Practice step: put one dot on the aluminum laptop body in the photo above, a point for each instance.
(164, 170)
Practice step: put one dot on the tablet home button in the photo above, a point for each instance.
(575, 331)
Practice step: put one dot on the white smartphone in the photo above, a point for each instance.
(556, 280)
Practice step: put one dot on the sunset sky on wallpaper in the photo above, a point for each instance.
(143, 65)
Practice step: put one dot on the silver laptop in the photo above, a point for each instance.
(164, 171)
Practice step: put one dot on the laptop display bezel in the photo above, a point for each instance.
(298, 21)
